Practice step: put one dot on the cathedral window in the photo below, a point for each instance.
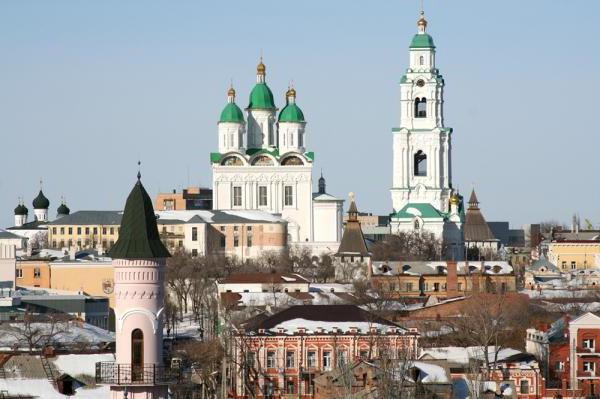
(420, 164)
(420, 107)
(262, 196)
(237, 196)
(292, 161)
(263, 160)
(288, 196)
(421, 60)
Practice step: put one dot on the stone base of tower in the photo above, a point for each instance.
(139, 392)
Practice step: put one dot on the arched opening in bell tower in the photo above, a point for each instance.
(420, 107)
(137, 355)
(420, 164)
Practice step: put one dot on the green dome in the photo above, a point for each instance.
(41, 202)
(422, 40)
(232, 113)
(63, 210)
(261, 97)
(21, 210)
(291, 113)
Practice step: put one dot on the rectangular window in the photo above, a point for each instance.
(249, 228)
(249, 241)
(524, 386)
(409, 287)
(79, 230)
(236, 242)
(194, 252)
(560, 366)
(104, 244)
(290, 388)
(326, 360)
(573, 265)
(262, 196)
(62, 230)
(222, 241)
(104, 230)
(342, 358)
(180, 244)
(589, 367)
(311, 359)
(194, 234)
(364, 354)
(271, 360)
(588, 343)
(237, 196)
(112, 230)
(36, 272)
(87, 230)
(290, 360)
(95, 230)
(288, 195)
(54, 230)
(564, 264)
(19, 273)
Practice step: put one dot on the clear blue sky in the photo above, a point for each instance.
(87, 87)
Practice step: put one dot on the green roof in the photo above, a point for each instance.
(422, 40)
(403, 79)
(291, 113)
(138, 235)
(310, 155)
(41, 202)
(424, 210)
(215, 157)
(261, 97)
(254, 151)
(232, 113)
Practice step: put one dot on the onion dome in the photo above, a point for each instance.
(291, 112)
(422, 39)
(21, 209)
(455, 199)
(261, 96)
(63, 209)
(231, 113)
(41, 202)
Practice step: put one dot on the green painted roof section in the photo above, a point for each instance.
(215, 157)
(232, 113)
(254, 151)
(422, 40)
(310, 155)
(403, 79)
(423, 210)
(138, 236)
(261, 97)
(291, 113)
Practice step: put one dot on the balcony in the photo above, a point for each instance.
(127, 374)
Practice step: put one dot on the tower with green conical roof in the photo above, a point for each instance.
(262, 113)
(291, 124)
(232, 126)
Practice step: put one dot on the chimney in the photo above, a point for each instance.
(451, 279)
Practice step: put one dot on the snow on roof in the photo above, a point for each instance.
(41, 388)
(432, 372)
(312, 326)
(461, 355)
(330, 287)
(392, 268)
(75, 332)
(220, 216)
(81, 364)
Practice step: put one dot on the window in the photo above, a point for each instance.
(19, 273)
(168, 205)
(54, 230)
(137, 355)
(237, 196)
(524, 386)
(311, 359)
(104, 244)
(79, 230)
(342, 358)
(180, 244)
(194, 234)
(112, 230)
(436, 286)
(236, 242)
(104, 230)
(251, 359)
(417, 224)
(460, 286)
(70, 230)
(290, 360)
(249, 241)
(62, 230)
(249, 228)
(420, 107)
(95, 230)
(235, 228)
(289, 387)
(364, 354)
(573, 265)
(288, 196)
(262, 196)
(53, 243)
(194, 252)
(87, 230)
(421, 60)
(588, 343)
(409, 286)
(271, 359)
(326, 360)
(420, 164)
(559, 366)
(222, 228)
(564, 264)
(589, 367)
(222, 241)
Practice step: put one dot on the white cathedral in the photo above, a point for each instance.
(422, 194)
(263, 164)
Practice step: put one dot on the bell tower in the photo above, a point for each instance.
(422, 144)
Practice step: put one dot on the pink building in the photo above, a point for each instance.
(139, 263)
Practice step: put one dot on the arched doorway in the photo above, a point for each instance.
(137, 355)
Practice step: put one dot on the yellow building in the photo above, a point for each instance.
(574, 254)
(32, 273)
(85, 229)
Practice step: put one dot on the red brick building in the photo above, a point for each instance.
(284, 353)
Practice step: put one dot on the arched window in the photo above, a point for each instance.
(420, 107)
(420, 165)
(137, 355)
(421, 60)
(417, 224)
(291, 161)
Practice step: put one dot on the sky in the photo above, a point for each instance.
(89, 87)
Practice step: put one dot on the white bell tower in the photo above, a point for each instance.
(422, 144)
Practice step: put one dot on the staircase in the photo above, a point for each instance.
(48, 370)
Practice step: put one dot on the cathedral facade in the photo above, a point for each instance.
(422, 194)
(263, 164)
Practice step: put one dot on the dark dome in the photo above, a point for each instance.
(63, 209)
(41, 202)
(21, 210)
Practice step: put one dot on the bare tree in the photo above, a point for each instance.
(414, 245)
(38, 330)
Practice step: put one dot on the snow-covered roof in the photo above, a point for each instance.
(81, 363)
(417, 268)
(462, 355)
(42, 388)
(220, 217)
(431, 372)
